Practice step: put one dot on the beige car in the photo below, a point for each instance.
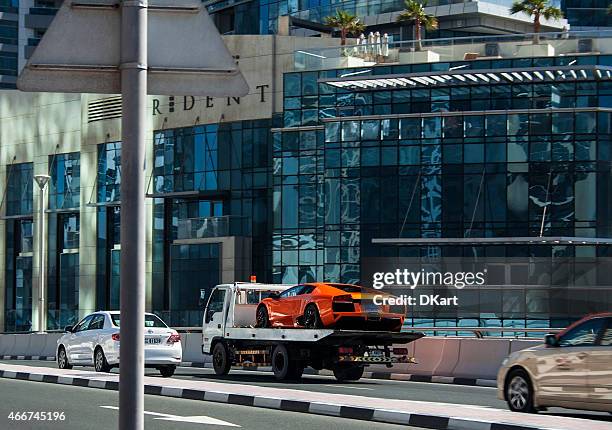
(573, 369)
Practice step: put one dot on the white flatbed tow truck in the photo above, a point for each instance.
(229, 335)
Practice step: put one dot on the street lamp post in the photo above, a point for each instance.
(42, 181)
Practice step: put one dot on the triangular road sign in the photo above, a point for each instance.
(80, 52)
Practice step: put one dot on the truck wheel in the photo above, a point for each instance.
(262, 319)
(312, 319)
(220, 359)
(283, 366)
(344, 372)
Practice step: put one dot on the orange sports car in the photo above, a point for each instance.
(326, 305)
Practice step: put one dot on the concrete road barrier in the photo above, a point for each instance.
(7, 344)
(480, 359)
(449, 356)
(437, 357)
(22, 344)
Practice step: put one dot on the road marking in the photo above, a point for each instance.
(196, 419)
(349, 387)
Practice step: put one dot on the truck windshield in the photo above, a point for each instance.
(150, 321)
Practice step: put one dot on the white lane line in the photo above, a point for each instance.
(195, 419)
(350, 387)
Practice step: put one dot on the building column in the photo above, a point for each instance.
(87, 229)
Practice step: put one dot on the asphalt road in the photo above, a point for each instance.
(421, 391)
(91, 409)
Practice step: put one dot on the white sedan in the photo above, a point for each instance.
(95, 340)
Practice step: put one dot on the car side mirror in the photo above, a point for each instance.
(551, 341)
(68, 328)
(275, 296)
(209, 314)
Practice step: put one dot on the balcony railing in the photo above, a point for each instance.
(363, 8)
(459, 49)
(205, 227)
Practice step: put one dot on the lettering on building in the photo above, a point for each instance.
(187, 103)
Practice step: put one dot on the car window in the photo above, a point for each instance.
(151, 320)
(347, 288)
(83, 324)
(584, 334)
(292, 292)
(307, 289)
(606, 337)
(97, 322)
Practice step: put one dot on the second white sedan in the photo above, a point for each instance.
(95, 340)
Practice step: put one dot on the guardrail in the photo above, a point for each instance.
(478, 331)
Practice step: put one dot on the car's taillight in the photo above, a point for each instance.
(345, 350)
(174, 338)
(343, 299)
(400, 351)
(115, 336)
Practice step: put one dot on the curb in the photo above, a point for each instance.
(28, 357)
(365, 414)
(476, 382)
(377, 375)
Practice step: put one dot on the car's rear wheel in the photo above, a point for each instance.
(284, 367)
(519, 392)
(62, 359)
(167, 371)
(220, 358)
(100, 363)
(262, 319)
(312, 319)
(348, 372)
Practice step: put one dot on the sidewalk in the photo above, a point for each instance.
(440, 416)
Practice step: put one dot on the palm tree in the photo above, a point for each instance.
(537, 9)
(415, 13)
(347, 23)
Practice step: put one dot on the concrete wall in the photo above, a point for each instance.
(436, 356)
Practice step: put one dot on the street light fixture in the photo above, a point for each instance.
(42, 181)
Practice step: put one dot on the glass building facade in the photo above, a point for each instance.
(107, 200)
(587, 13)
(19, 247)
(9, 39)
(208, 182)
(463, 160)
(63, 243)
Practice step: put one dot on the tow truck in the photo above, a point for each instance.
(229, 335)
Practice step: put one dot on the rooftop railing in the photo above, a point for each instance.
(458, 49)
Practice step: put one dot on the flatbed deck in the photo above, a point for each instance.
(320, 336)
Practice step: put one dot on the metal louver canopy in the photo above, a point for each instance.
(472, 77)
(80, 52)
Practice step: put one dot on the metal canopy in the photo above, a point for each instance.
(81, 52)
(476, 241)
(473, 77)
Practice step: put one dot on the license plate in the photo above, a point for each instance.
(152, 340)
